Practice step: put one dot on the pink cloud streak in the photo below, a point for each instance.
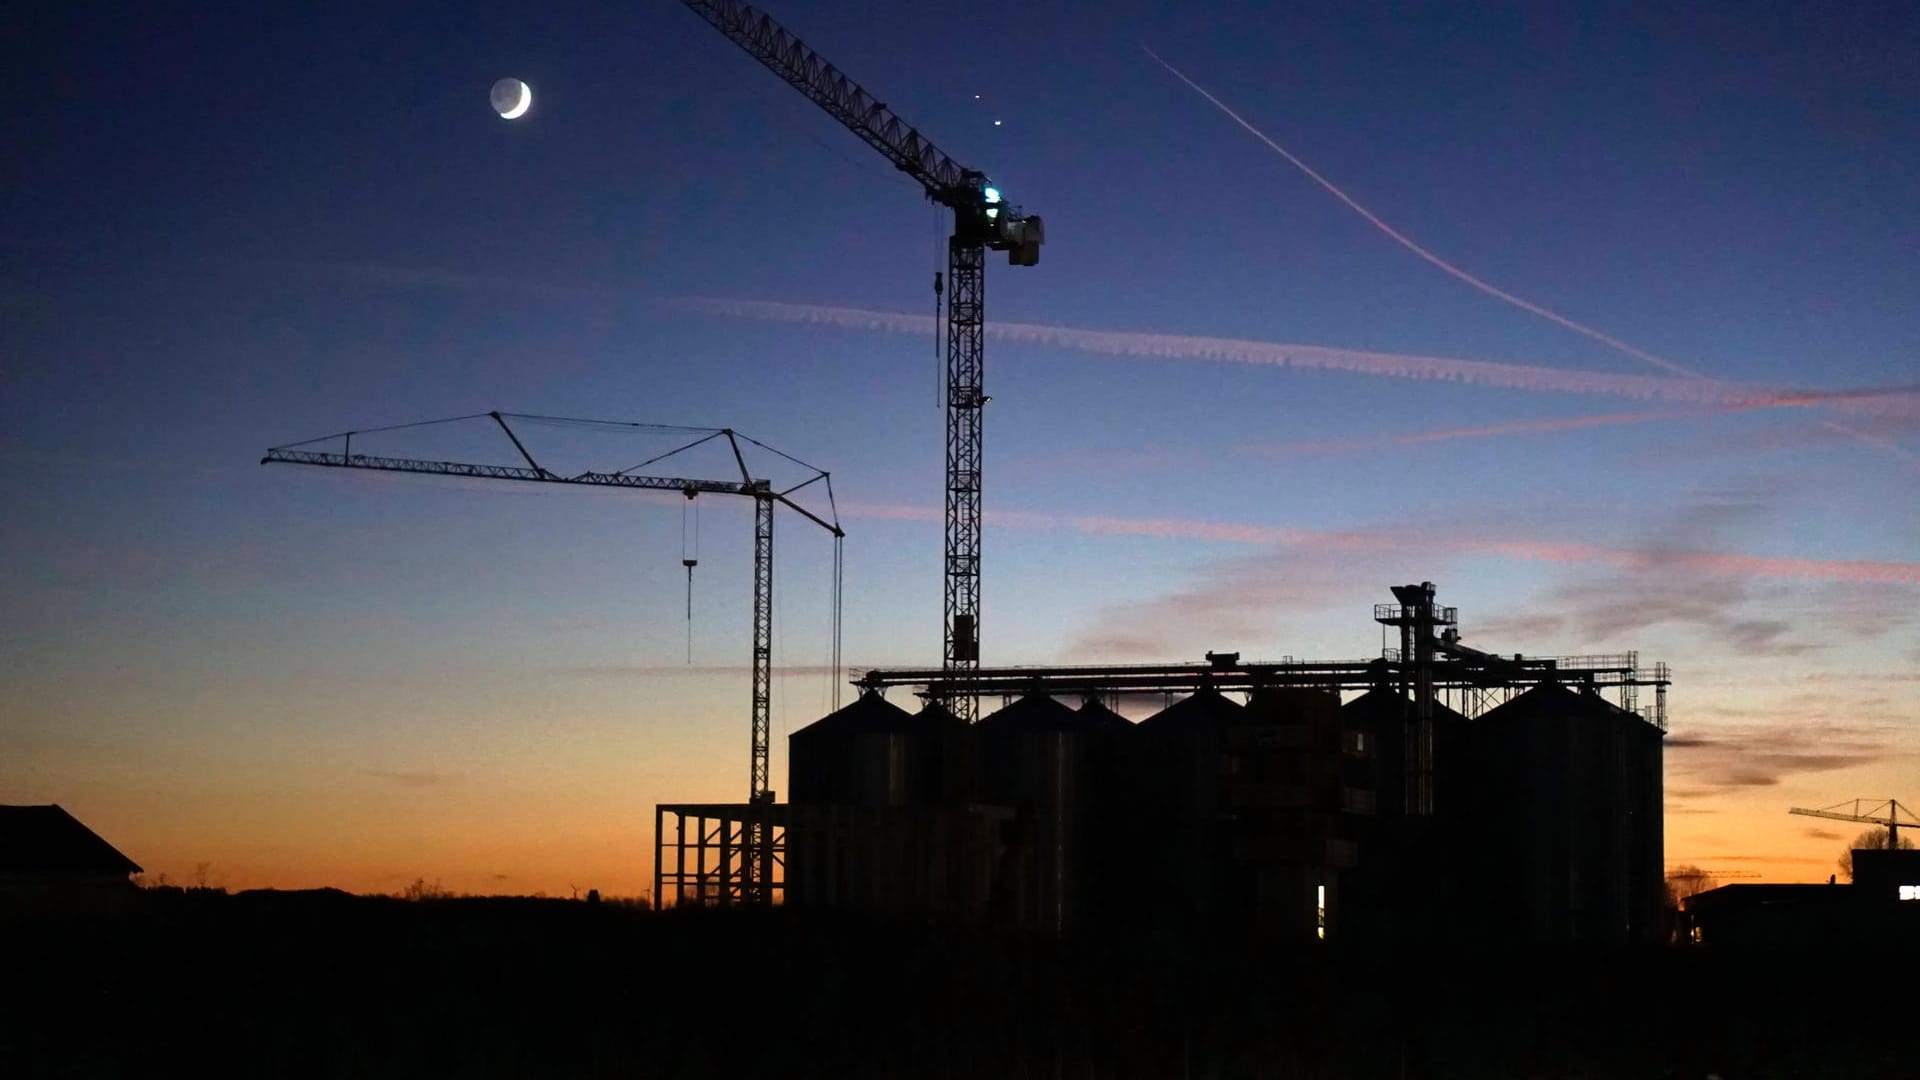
(1711, 562)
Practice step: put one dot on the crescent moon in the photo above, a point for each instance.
(519, 110)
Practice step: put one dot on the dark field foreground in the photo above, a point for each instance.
(329, 985)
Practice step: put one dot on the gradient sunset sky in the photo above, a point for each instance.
(1228, 410)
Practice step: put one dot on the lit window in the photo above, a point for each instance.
(1320, 915)
(1910, 892)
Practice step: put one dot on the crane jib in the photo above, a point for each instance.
(982, 220)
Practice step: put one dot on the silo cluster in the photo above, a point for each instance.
(1277, 814)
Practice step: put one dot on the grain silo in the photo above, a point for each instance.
(1243, 811)
(875, 819)
(1174, 792)
(1390, 821)
(1048, 773)
(1408, 886)
(1567, 818)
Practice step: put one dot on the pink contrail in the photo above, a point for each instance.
(1518, 427)
(1133, 459)
(1899, 401)
(1486, 287)
(1227, 532)
(1790, 400)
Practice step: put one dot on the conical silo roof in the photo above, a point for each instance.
(1100, 718)
(1034, 712)
(1204, 709)
(866, 713)
(937, 716)
(1384, 703)
(1293, 704)
(1552, 699)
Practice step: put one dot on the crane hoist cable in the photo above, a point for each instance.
(690, 557)
(939, 353)
(833, 630)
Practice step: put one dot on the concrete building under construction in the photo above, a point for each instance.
(1433, 793)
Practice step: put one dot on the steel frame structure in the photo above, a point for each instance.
(1429, 662)
(1417, 617)
(980, 221)
(738, 853)
(756, 853)
(1229, 674)
(966, 357)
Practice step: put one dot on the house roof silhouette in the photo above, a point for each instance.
(36, 840)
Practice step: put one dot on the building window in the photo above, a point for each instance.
(1320, 912)
(1910, 892)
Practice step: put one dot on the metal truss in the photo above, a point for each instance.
(719, 854)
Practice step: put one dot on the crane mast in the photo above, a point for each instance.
(754, 879)
(981, 220)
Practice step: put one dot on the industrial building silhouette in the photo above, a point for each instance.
(1434, 793)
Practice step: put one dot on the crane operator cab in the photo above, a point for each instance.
(1017, 234)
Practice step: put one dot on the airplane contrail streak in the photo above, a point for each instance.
(1900, 402)
(1574, 423)
(1486, 287)
(1410, 244)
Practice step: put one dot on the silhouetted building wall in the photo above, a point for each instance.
(48, 857)
(1888, 874)
(1817, 918)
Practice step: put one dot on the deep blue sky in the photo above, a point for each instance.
(230, 229)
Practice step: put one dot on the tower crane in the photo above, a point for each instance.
(1885, 813)
(754, 880)
(982, 219)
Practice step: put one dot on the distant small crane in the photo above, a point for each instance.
(1872, 815)
(754, 881)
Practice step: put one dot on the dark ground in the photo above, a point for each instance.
(331, 985)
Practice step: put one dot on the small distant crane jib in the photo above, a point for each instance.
(1886, 813)
(754, 881)
(982, 219)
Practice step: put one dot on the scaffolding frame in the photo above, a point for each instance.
(707, 856)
